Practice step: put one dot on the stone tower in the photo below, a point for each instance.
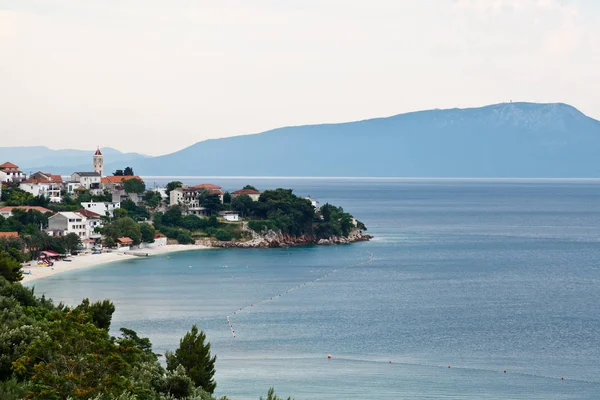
(99, 162)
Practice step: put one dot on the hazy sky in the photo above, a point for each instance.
(154, 76)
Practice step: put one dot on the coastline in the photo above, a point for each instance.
(91, 260)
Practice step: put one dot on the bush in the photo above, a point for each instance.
(185, 238)
(223, 236)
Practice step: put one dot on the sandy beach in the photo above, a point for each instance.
(89, 260)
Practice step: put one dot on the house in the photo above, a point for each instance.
(124, 242)
(93, 221)
(13, 174)
(9, 235)
(116, 182)
(88, 180)
(120, 195)
(188, 197)
(254, 194)
(63, 223)
(101, 208)
(44, 184)
(314, 203)
(7, 211)
(230, 216)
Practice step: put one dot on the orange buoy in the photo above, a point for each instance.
(448, 366)
(328, 356)
(504, 371)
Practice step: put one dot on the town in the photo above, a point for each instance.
(48, 217)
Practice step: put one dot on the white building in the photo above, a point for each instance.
(93, 221)
(63, 223)
(231, 216)
(12, 172)
(87, 180)
(104, 209)
(44, 184)
(99, 163)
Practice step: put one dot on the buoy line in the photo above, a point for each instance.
(236, 312)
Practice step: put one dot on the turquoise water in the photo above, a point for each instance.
(481, 276)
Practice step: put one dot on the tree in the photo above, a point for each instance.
(227, 198)
(10, 268)
(148, 232)
(120, 213)
(152, 199)
(71, 242)
(210, 201)
(194, 355)
(100, 312)
(134, 185)
(124, 227)
(172, 217)
(128, 171)
(242, 204)
(119, 172)
(249, 187)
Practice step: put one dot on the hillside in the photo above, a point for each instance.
(503, 140)
(41, 158)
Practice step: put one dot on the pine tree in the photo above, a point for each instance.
(194, 355)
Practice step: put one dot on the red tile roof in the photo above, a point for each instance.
(125, 240)
(246, 191)
(4, 235)
(119, 179)
(26, 208)
(206, 186)
(98, 153)
(8, 165)
(51, 179)
(88, 213)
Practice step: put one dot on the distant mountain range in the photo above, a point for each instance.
(41, 158)
(502, 140)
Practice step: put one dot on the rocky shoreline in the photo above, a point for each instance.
(275, 239)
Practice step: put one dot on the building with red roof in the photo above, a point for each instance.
(7, 211)
(9, 235)
(253, 194)
(44, 184)
(12, 172)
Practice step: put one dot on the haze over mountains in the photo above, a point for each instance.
(502, 140)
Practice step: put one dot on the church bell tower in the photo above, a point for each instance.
(99, 162)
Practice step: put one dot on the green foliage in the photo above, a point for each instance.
(128, 171)
(261, 225)
(211, 201)
(227, 198)
(223, 235)
(123, 227)
(152, 199)
(184, 238)
(24, 221)
(10, 268)
(243, 204)
(100, 312)
(135, 212)
(71, 242)
(291, 214)
(134, 185)
(194, 355)
(172, 217)
(148, 232)
(120, 213)
(272, 396)
(171, 186)
(249, 187)
(118, 172)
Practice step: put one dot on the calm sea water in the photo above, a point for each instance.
(480, 276)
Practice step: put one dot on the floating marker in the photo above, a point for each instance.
(329, 356)
(504, 371)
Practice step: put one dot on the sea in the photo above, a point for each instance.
(477, 289)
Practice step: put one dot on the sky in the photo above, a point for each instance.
(155, 76)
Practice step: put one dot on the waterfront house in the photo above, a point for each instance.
(253, 194)
(230, 216)
(102, 208)
(124, 243)
(188, 197)
(44, 184)
(12, 172)
(93, 221)
(7, 212)
(63, 223)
